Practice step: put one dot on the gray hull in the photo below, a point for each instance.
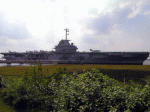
(120, 58)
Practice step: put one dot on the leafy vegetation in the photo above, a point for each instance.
(4, 107)
(39, 89)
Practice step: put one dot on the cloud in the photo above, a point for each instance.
(89, 39)
(135, 6)
(118, 40)
(147, 13)
(3, 41)
(100, 25)
(135, 11)
(125, 4)
(116, 32)
(103, 23)
(119, 16)
(15, 30)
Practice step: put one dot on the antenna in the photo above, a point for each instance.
(67, 30)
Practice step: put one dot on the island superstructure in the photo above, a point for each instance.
(66, 53)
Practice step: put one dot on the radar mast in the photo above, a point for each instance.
(67, 32)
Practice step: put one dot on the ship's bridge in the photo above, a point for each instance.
(65, 47)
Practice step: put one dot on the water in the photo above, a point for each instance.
(146, 62)
(17, 64)
(13, 64)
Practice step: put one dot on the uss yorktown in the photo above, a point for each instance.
(66, 53)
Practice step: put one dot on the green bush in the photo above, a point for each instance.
(93, 91)
(60, 91)
(29, 91)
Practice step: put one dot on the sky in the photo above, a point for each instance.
(106, 25)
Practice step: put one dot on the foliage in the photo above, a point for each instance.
(93, 91)
(80, 92)
(5, 108)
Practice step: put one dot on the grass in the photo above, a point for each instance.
(137, 73)
(14, 70)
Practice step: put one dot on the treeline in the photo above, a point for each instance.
(89, 91)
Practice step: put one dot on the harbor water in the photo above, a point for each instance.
(13, 64)
(146, 62)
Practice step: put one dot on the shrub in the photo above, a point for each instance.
(61, 91)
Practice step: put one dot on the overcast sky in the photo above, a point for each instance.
(106, 25)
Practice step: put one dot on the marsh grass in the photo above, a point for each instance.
(138, 73)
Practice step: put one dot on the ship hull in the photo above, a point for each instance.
(113, 58)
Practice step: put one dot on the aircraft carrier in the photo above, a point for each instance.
(66, 53)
